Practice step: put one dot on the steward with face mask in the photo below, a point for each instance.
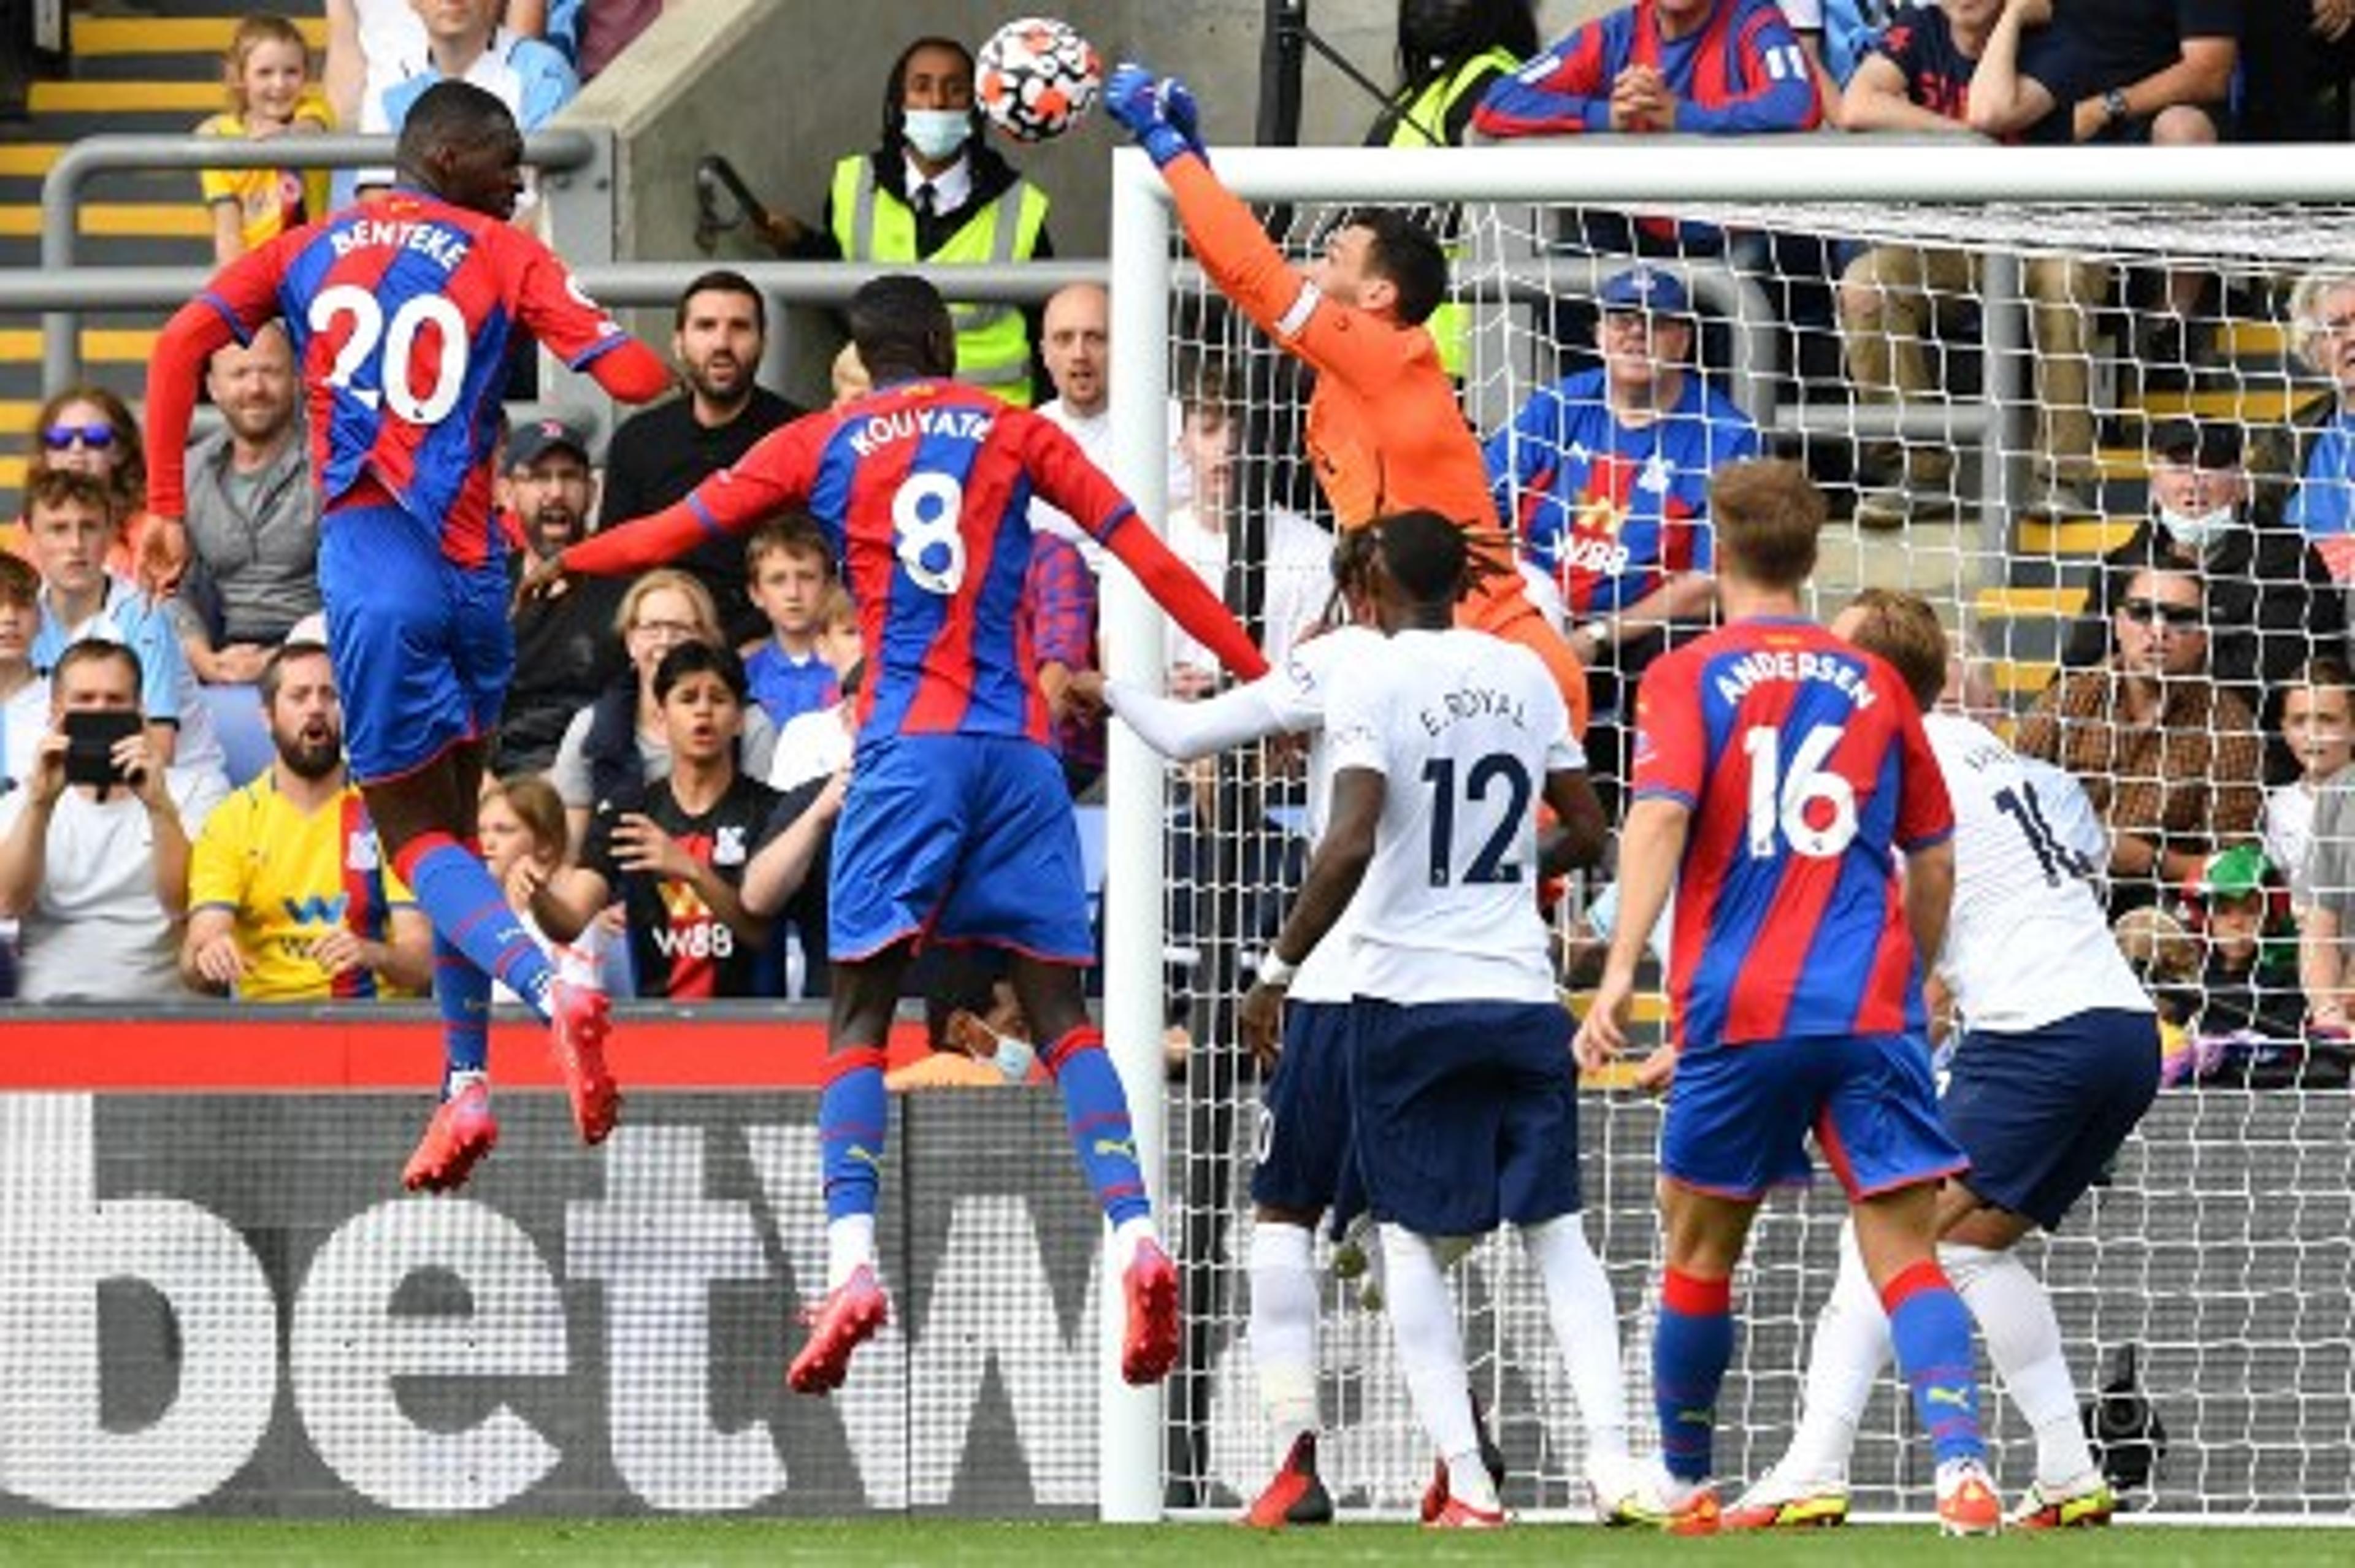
(2271, 606)
(932, 192)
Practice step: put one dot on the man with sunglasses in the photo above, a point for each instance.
(2172, 759)
(2272, 606)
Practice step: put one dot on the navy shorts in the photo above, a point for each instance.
(423, 647)
(1464, 1114)
(1739, 1115)
(2042, 1113)
(1304, 1116)
(958, 838)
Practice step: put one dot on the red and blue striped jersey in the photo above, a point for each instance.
(403, 314)
(1742, 72)
(1804, 765)
(924, 489)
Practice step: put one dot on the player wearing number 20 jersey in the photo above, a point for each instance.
(1805, 766)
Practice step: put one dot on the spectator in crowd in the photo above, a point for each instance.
(2249, 983)
(2133, 71)
(932, 191)
(268, 71)
(1694, 67)
(566, 652)
(1450, 52)
(719, 333)
(2322, 316)
(291, 897)
(1916, 79)
(1297, 561)
(2325, 892)
(618, 745)
(1061, 592)
(2171, 760)
(787, 881)
(521, 822)
(97, 874)
(1605, 475)
(847, 376)
(24, 692)
(371, 44)
(592, 35)
(2297, 60)
(466, 40)
(67, 515)
(252, 522)
(792, 568)
(89, 429)
(676, 856)
(2271, 606)
(817, 742)
(2316, 728)
(1076, 345)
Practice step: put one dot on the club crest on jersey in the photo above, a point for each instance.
(881, 430)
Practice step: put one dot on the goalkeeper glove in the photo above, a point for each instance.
(1158, 112)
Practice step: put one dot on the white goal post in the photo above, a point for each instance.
(2264, 1418)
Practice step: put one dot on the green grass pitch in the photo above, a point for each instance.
(675, 1543)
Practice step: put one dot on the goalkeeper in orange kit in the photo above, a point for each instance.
(1385, 433)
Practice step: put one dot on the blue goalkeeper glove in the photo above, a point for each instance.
(1158, 112)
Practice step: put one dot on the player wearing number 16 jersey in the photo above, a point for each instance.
(403, 314)
(1778, 773)
(957, 827)
(2058, 1060)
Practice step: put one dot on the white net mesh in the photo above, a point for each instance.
(1976, 389)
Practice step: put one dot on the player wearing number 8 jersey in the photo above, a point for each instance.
(403, 313)
(957, 827)
(1778, 773)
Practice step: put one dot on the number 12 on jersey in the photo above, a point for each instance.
(1490, 864)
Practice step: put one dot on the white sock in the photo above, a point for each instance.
(463, 1078)
(1128, 1234)
(2023, 1340)
(1430, 1353)
(1585, 1325)
(849, 1242)
(1284, 1330)
(1845, 1359)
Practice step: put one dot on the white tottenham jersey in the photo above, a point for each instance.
(1463, 728)
(2027, 943)
(1297, 691)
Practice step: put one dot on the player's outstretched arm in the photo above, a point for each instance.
(1191, 603)
(631, 371)
(1188, 731)
(772, 476)
(1929, 897)
(182, 351)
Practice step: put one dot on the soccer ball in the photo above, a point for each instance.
(1036, 78)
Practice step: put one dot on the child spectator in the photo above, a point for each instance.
(521, 823)
(24, 710)
(2249, 984)
(2317, 727)
(789, 568)
(268, 73)
(89, 429)
(817, 742)
(677, 856)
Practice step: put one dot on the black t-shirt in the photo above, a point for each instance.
(678, 947)
(1920, 42)
(656, 457)
(2092, 46)
(566, 653)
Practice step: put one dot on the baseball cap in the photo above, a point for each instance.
(1645, 288)
(2235, 873)
(535, 440)
(2204, 444)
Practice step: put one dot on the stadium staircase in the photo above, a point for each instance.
(153, 67)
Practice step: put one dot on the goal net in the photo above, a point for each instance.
(1973, 350)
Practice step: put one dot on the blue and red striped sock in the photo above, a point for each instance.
(854, 1118)
(1096, 1108)
(1691, 1347)
(463, 995)
(1931, 1330)
(458, 895)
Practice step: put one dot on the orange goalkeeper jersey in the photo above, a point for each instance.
(1385, 431)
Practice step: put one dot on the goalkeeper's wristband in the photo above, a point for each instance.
(1164, 144)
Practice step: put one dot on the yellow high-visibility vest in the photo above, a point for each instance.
(1451, 324)
(993, 341)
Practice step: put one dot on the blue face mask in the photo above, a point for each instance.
(936, 134)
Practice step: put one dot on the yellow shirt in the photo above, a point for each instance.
(290, 878)
(270, 201)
